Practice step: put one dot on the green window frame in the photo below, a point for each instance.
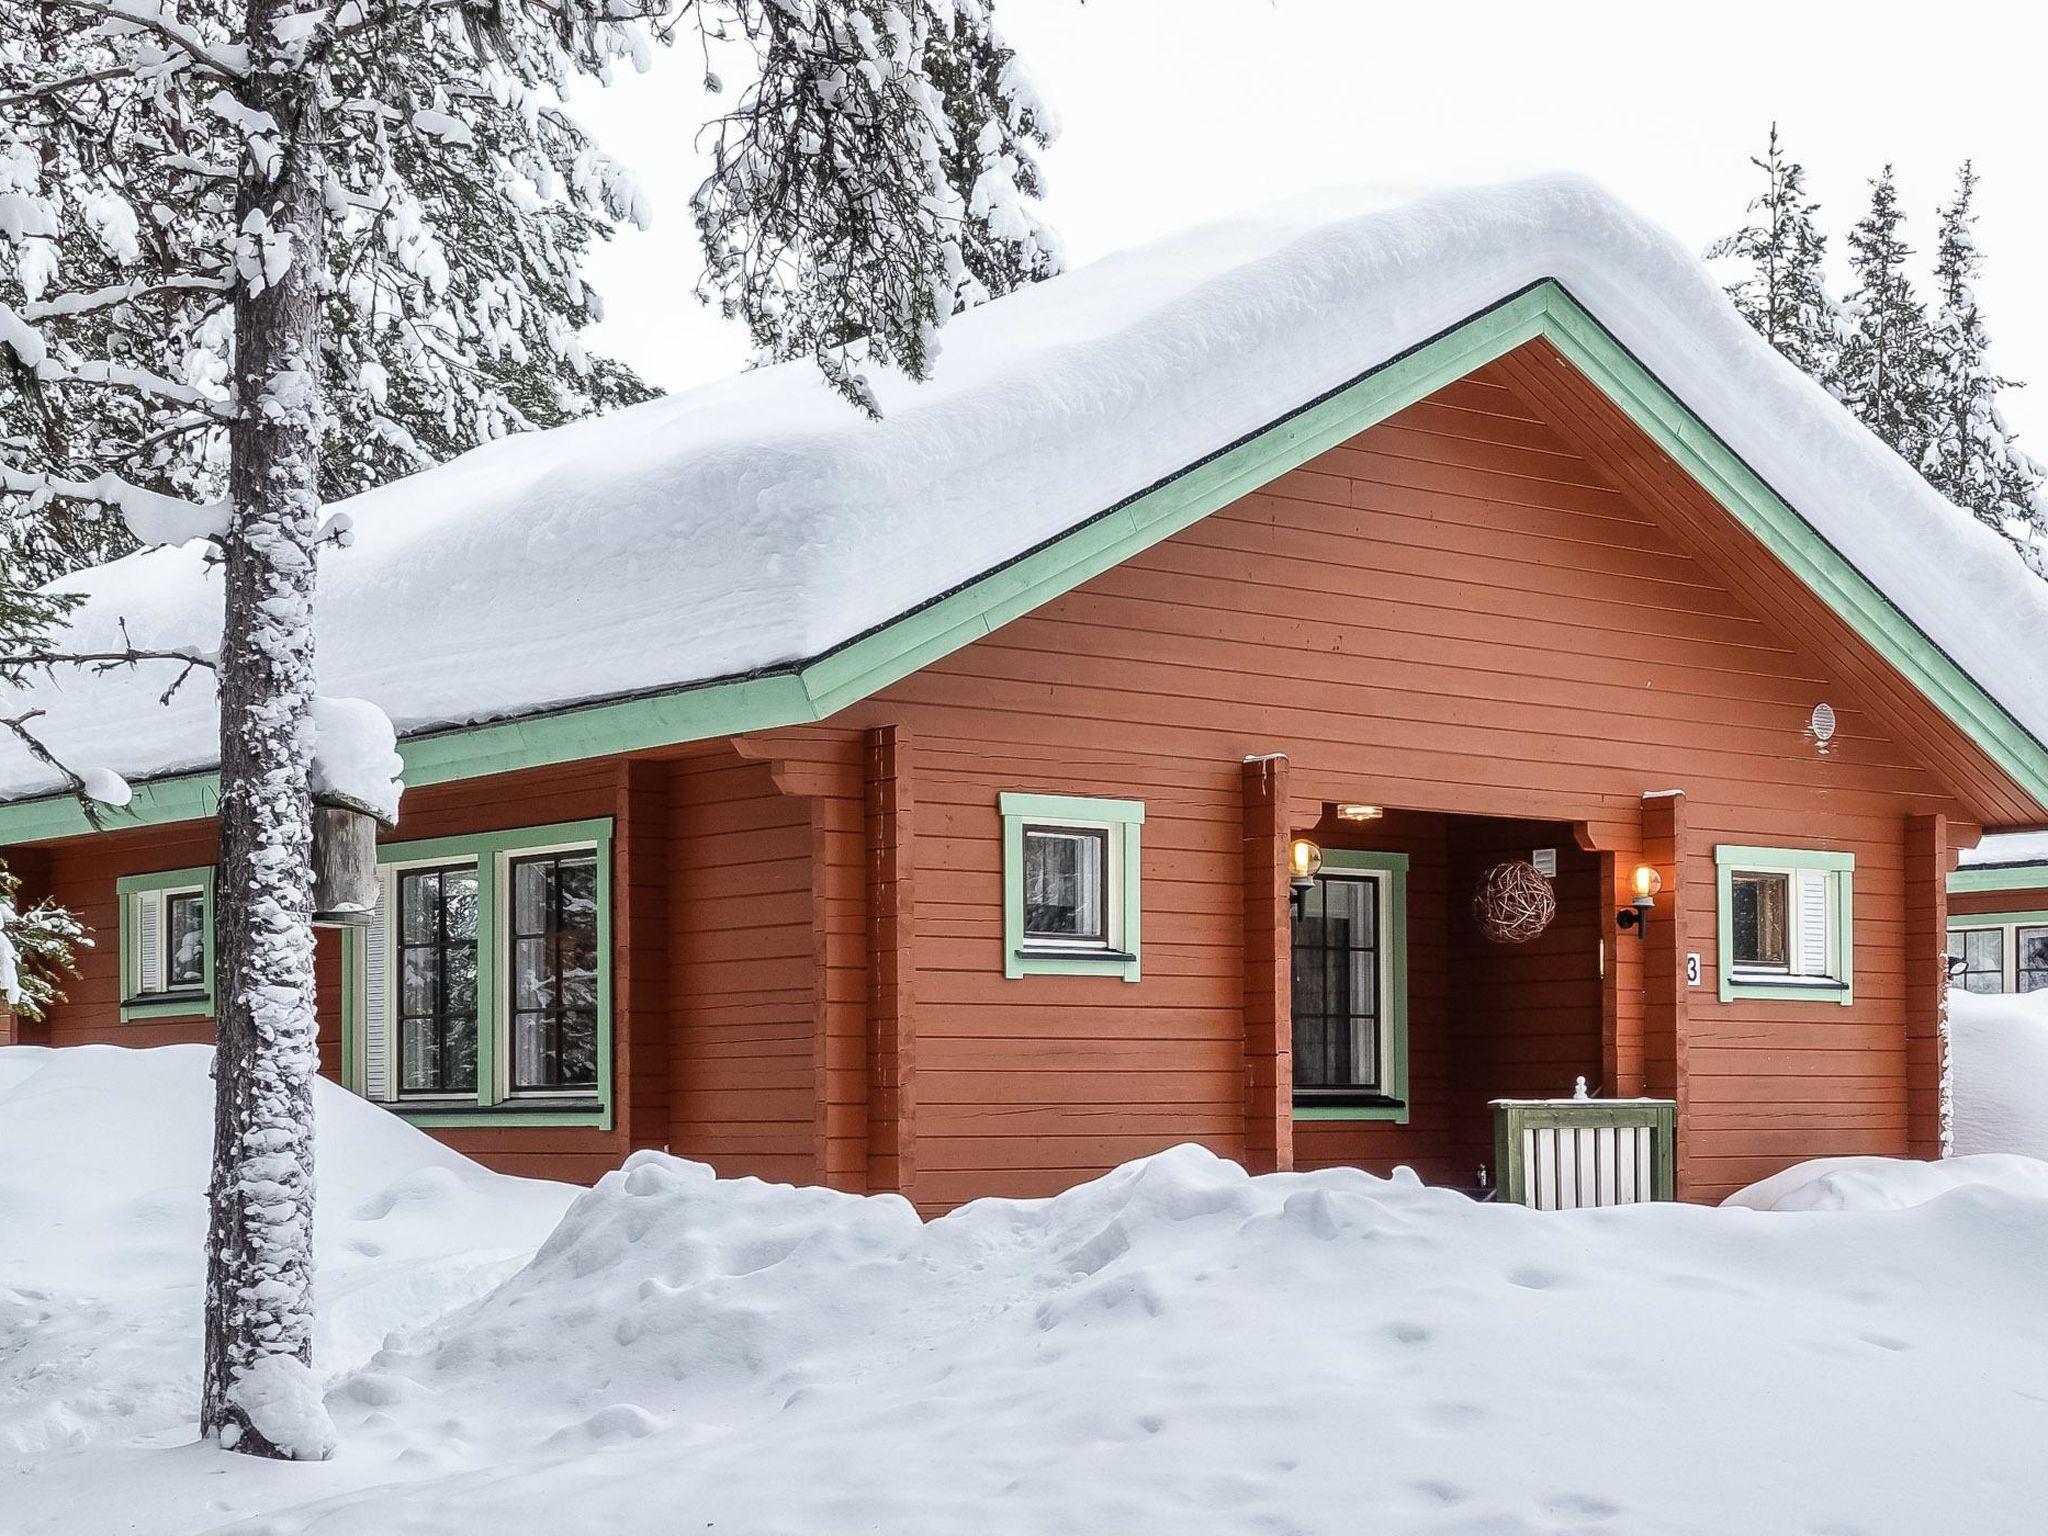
(1120, 823)
(1839, 870)
(496, 1103)
(2009, 926)
(1392, 870)
(134, 893)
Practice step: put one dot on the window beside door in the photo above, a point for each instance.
(1785, 925)
(1348, 991)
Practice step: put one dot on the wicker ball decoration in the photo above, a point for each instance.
(1514, 902)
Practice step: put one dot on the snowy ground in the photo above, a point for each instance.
(1173, 1348)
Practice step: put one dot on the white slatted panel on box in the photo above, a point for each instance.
(376, 999)
(1572, 1154)
(1813, 922)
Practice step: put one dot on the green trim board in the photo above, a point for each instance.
(1841, 987)
(1999, 877)
(1125, 820)
(169, 1006)
(2027, 919)
(1394, 868)
(819, 686)
(495, 1105)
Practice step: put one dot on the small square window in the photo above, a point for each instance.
(1786, 927)
(166, 944)
(1070, 885)
(1066, 885)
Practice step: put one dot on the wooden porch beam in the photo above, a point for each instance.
(1268, 1022)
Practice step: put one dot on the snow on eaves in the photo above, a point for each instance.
(758, 521)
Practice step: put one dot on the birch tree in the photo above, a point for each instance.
(874, 174)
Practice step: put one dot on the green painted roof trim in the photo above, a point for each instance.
(825, 684)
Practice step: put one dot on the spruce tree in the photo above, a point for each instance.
(1884, 364)
(1969, 456)
(1781, 289)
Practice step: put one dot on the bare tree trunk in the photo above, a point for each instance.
(259, 1272)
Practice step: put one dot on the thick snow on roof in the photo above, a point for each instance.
(2008, 848)
(759, 520)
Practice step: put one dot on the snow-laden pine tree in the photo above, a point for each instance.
(1970, 456)
(454, 301)
(1881, 373)
(244, 147)
(1781, 288)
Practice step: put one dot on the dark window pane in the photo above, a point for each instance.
(419, 906)
(1066, 892)
(554, 960)
(1336, 985)
(1760, 915)
(185, 940)
(2032, 952)
(437, 981)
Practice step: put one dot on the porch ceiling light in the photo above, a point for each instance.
(1304, 859)
(1636, 914)
(1360, 812)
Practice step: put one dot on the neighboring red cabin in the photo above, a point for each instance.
(1024, 909)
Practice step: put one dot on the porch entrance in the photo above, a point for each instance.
(1407, 1021)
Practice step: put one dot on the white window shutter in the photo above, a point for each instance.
(149, 942)
(375, 1022)
(1815, 952)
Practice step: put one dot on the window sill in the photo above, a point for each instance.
(168, 1005)
(1786, 989)
(536, 1114)
(1072, 962)
(1353, 1107)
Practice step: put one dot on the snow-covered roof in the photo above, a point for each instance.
(758, 521)
(2007, 848)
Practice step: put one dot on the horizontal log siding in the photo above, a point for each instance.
(1981, 903)
(742, 948)
(1455, 611)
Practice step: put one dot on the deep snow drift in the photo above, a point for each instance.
(759, 520)
(1174, 1348)
(103, 1161)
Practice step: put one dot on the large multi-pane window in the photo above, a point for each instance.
(482, 982)
(1994, 954)
(1337, 988)
(1977, 959)
(554, 971)
(437, 991)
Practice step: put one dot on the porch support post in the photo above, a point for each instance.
(1665, 995)
(1929, 858)
(1268, 1022)
(889, 787)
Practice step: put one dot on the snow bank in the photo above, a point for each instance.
(760, 521)
(1891, 1183)
(103, 1164)
(1173, 1348)
(1998, 1057)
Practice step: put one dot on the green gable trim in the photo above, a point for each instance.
(824, 684)
(185, 1005)
(1394, 949)
(2009, 877)
(1126, 820)
(1728, 858)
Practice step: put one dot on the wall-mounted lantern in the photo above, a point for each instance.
(1304, 859)
(1636, 914)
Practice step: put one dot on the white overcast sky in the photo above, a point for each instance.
(1173, 112)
